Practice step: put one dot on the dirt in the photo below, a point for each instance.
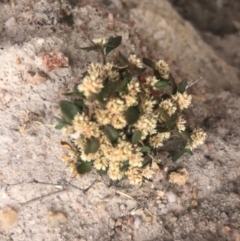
(33, 180)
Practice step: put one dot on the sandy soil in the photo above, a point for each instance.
(33, 180)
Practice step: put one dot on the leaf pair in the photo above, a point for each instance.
(112, 43)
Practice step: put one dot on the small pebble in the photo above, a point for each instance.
(122, 207)
(171, 197)
(226, 229)
(130, 221)
(11, 22)
(56, 218)
(8, 218)
(137, 222)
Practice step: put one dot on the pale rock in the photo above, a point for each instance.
(179, 177)
(11, 22)
(171, 197)
(137, 222)
(36, 78)
(8, 217)
(226, 229)
(55, 218)
(54, 60)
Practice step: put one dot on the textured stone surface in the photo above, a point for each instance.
(34, 153)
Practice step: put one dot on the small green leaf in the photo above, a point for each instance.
(74, 94)
(149, 63)
(145, 149)
(80, 104)
(102, 172)
(123, 58)
(92, 145)
(147, 160)
(60, 124)
(180, 153)
(95, 48)
(111, 134)
(173, 84)
(170, 124)
(182, 86)
(162, 84)
(186, 135)
(84, 167)
(113, 42)
(136, 137)
(69, 110)
(125, 166)
(132, 115)
(121, 85)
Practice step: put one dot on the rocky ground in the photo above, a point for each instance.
(39, 200)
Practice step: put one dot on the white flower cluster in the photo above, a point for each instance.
(99, 41)
(122, 158)
(198, 137)
(135, 61)
(93, 82)
(163, 69)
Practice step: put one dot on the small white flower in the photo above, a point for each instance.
(135, 61)
(183, 100)
(99, 41)
(198, 137)
(163, 69)
(169, 106)
(181, 122)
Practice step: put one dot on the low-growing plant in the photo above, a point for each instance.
(122, 113)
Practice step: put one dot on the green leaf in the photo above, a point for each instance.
(95, 48)
(121, 85)
(69, 110)
(149, 63)
(171, 122)
(102, 172)
(80, 104)
(173, 84)
(92, 145)
(84, 167)
(180, 153)
(111, 134)
(113, 42)
(123, 58)
(136, 137)
(186, 135)
(145, 149)
(74, 94)
(60, 124)
(162, 84)
(147, 160)
(108, 89)
(182, 86)
(125, 166)
(132, 115)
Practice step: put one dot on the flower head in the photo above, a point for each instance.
(168, 106)
(157, 140)
(183, 100)
(135, 61)
(135, 176)
(85, 127)
(198, 137)
(181, 124)
(99, 41)
(163, 69)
